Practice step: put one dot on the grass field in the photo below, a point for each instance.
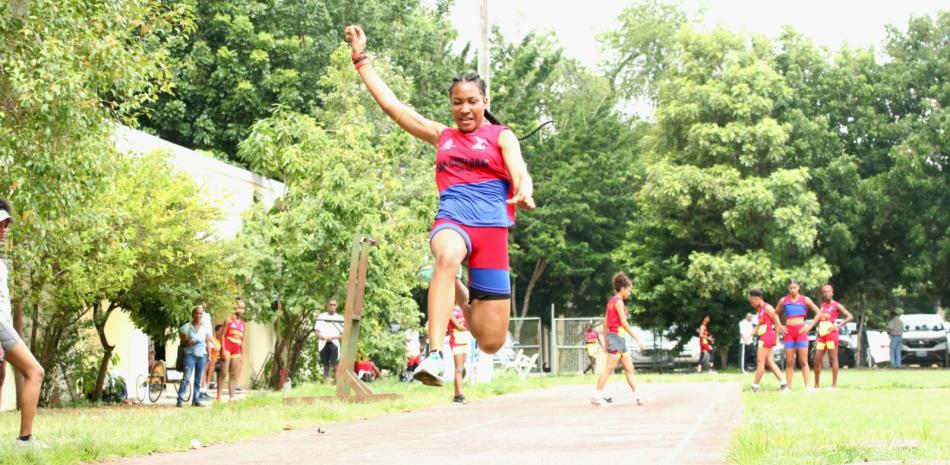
(875, 415)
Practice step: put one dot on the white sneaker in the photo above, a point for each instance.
(785, 390)
(31, 444)
(811, 389)
(831, 389)
(599, 401)
(430, 370)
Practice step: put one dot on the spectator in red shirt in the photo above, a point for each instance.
(366, 370)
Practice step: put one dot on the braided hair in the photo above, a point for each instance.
(482, 87)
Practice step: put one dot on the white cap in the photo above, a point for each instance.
(4, 215)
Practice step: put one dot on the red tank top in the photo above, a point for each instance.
(460, 316)
(235, 333)
(613, 315)
(473, 179)
(765, 319)
(829, 311)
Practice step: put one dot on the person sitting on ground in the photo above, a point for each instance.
(366, 370)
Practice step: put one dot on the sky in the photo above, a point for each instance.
(828, 23)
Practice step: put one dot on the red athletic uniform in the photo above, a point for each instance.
(827, 338)
(462, 334)
(795, 337)
(615, 343)
(474, 187)
(234, 338)
(766, 328)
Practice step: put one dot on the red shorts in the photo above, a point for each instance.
(234, 350)
(828, 341)
(768, 339)
(487, 258)
(795, 338)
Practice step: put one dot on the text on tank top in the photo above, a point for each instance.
(235, 332)
(473, 179)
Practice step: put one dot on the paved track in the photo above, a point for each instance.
(686, 423)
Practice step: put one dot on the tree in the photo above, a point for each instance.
(724, 204)
(341, 183)
(563, 249)
(67, 69)
(247, 56)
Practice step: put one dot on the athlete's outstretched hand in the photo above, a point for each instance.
(357, 39)
(524, 198)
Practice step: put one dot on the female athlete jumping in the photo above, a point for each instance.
(481, 177)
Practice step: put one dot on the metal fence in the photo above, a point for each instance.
(660, 352)
(570, 352)
(526, 336)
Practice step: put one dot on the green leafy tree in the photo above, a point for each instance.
(724, 205)
(247, 56)
(67, 69)
(343, 179)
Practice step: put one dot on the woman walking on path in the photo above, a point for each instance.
(795, 308)
(592, 342)
(458, 342)
(768, 323)
(481, 177)
(828, 334)
(705, 347)
(616, 347)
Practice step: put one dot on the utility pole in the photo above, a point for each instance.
(484, 51)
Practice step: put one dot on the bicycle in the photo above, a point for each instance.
(156, 382)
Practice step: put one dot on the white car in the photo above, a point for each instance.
(925, 340)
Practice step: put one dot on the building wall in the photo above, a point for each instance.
(233, 190)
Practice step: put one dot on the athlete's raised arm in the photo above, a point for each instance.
(412, 122)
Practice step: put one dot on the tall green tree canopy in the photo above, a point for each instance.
(247, 56)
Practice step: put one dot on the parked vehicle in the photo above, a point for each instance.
(924, 340)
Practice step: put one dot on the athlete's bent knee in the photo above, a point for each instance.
(490, 345)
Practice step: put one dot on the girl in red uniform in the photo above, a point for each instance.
(828, 334)
(232, 339)
(795, 308)
(705, 346)
(768, 322)
(616, 347)
(481, 177)
(458, 342)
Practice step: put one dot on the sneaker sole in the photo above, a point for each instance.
(427, 378)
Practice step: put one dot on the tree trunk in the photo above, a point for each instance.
(100, 321)
(539, 267)
(301, 339)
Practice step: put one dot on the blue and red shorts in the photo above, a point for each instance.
(795, 337)
(488, 266)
